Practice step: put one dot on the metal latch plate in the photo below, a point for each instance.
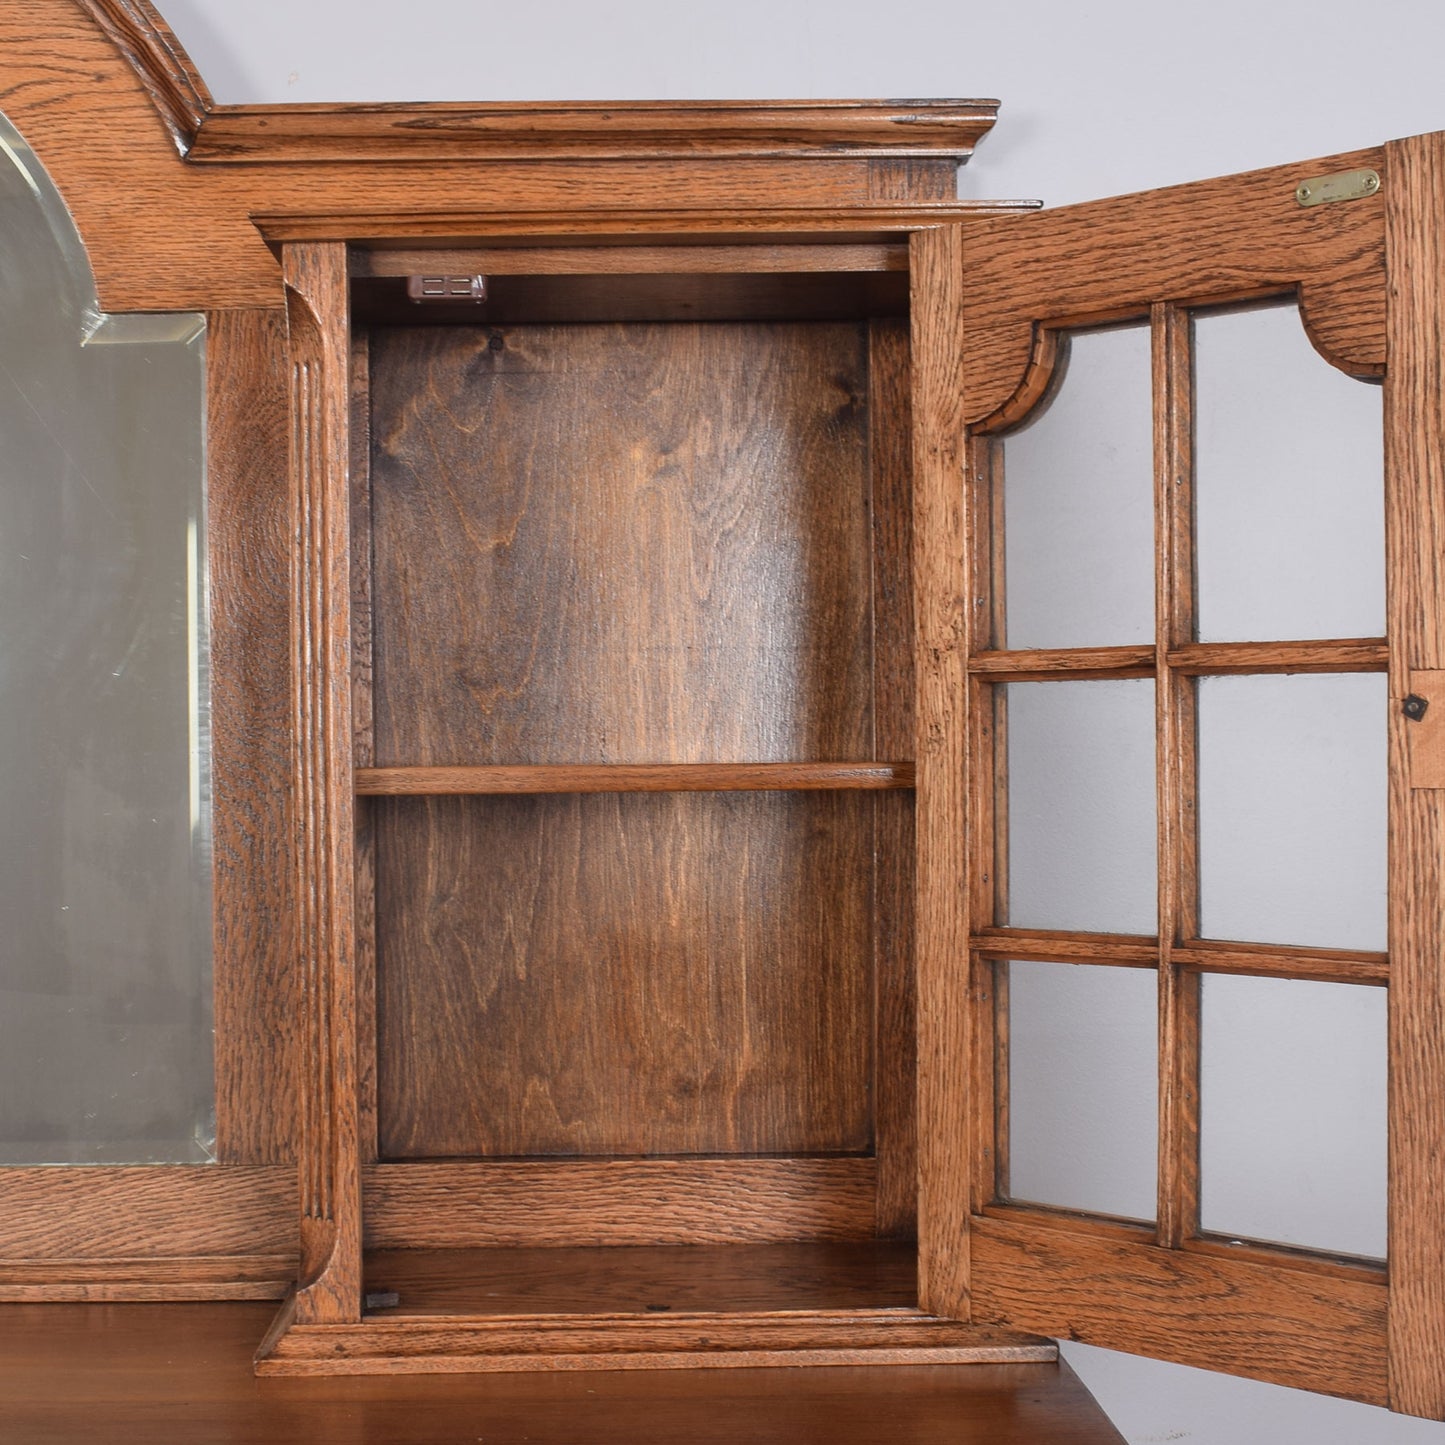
(447, 288)
(1344, 186)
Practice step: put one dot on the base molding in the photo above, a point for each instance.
(212, 1277)
(466, 1344)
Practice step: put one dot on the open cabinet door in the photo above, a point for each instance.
(1175, 1267)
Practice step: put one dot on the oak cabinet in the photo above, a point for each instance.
(611, 664)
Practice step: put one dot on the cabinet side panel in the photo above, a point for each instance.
(621, 543)
(256, 997)
(624, 974)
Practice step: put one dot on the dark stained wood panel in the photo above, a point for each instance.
(631, 543)
(890, 435)
(64, 1368)
(680, 295)
(609, 1280)
(666, 973)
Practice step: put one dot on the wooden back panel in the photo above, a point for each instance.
(615, 974)
(621, 543)
(631, 543)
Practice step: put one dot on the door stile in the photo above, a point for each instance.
(316, 302)
(1176, 773)
(987, 878)
(1415, 572)
(942, 590)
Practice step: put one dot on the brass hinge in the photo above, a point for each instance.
(1346, 186)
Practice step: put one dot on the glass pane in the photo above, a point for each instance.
(1079, 501)
(105, 985)
(1081, 806)
(1292, 791)
(1289, 487)
(1292, 1124)
(1083, 1087)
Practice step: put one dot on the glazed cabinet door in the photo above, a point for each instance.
(1178, 570)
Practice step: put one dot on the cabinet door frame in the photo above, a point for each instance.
(990, 303)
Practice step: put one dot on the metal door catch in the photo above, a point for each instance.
(1414, 707)
(1346, 186)
(447, 288)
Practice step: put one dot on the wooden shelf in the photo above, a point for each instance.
(633, 778)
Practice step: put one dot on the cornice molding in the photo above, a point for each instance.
(208, 134)
(596, 130)
(165, 186)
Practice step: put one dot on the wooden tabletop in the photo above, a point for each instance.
(180, 1374)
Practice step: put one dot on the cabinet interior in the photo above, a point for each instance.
(634, 699)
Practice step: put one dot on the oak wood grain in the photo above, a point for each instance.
(942, 589)
(1327, 965)
(1056, 945)
(1226, 239)
(652, 973)
(1061, 1272)
(64, 1367)
(595, 130)
(1425, 736)
(806, 219)
(254, 882)
(566, 1202)
(319, 351)
(642, 1341)
(1192, 659)
(632, 778)
(544, 497)
(363, 731)
(91, 114)
(1060, 664)
(206, 1277)
(1176, 773)
(159, 62)
(1345, 654)
(1267, 960)
(1415, 609)
(677, 1279)
(146, 1212)
(1311, 1329)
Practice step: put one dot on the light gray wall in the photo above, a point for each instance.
(1097, 99)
